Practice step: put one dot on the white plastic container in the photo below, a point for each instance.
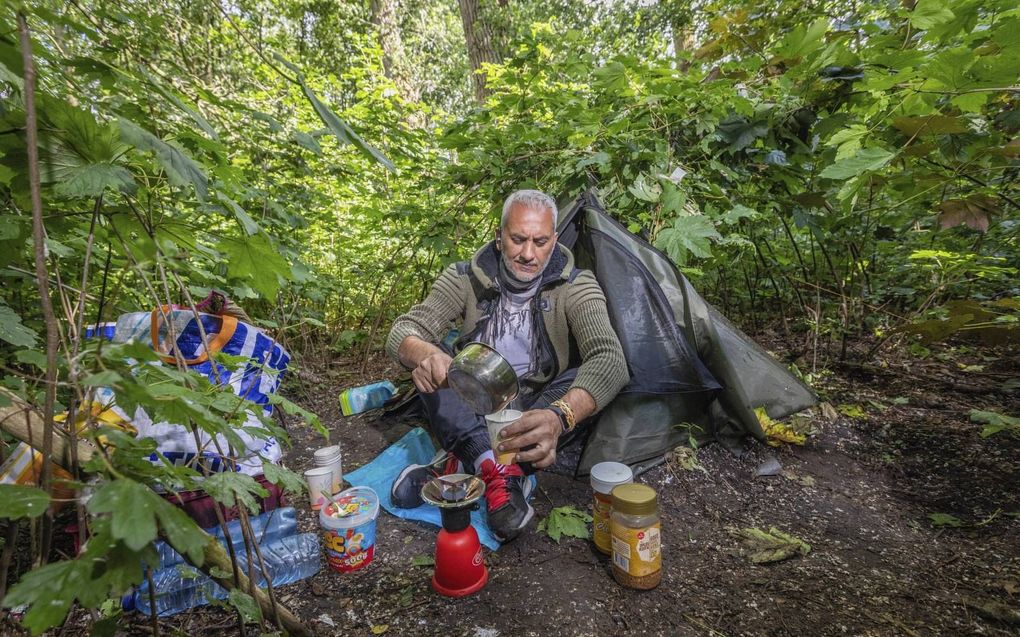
(330, 457)
(605, 476)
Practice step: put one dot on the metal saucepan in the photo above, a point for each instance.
(483, 378)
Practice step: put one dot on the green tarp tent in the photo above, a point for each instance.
(692, 371)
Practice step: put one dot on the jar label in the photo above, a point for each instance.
(349, 549)
(636, 551)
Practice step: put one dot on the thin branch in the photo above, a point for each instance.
(41, 275)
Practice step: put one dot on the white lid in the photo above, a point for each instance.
(326, 453)
(606, 475)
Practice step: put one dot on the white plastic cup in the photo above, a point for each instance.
(319, 479)
(330, 457)
(496, 422)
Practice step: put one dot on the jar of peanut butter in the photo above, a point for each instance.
(635, 527)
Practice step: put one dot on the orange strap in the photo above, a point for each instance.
(216, 341)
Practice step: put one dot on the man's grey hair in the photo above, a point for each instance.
(532, 199)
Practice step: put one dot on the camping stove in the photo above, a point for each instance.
(460, 569)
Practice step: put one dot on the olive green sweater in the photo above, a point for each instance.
(573, 311)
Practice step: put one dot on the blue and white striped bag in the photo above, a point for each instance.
(256, 381)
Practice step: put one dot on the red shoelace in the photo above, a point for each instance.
(494, 475)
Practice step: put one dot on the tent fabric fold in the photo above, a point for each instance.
(693, 373)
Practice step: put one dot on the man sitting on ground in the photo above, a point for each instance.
(522, 295)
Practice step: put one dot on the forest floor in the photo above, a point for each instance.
(898, 448)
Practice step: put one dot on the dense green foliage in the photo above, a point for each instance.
(846, 167)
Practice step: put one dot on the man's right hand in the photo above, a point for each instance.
(430, 374)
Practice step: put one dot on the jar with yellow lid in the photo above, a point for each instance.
(635, 527)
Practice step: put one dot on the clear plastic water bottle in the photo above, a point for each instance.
(181, 586)
(366, 397)
(265, 528)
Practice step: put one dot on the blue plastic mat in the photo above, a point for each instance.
(414, 448)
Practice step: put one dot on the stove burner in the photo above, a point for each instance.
(453, 491)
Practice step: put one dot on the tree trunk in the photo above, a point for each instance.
(681, 23)
(385, 18)
(482, 46)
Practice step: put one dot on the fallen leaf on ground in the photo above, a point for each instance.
(852, 411)
(763, 547)
(829, 412)
(806, 481)
(999, 611)
(326, 619)
(380, 629)
(944, 519)
(565, 521)
(684, 457)
(777, 432)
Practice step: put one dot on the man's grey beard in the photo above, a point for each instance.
(508, 266)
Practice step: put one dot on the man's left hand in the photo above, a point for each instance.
(539, 427)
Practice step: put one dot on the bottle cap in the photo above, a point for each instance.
(634, 499)
(606, 475)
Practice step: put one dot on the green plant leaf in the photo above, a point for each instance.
(257, 261)
(182, 531)
(944, 519)
(307, 141)
(740, 133)
(230, 488)
(803, 40)
(92, 180)
(852, 411)
(567, 521)
(337, 126)
(132, 508)
(13, 331)
(995, 422)
(284, 478)
(866, 159)
(181, 169)
(17, 501)
(930, 13)
(688, 235)
(245, 605)
(177, 101)
(249, 225)
(49, 592)
(738, 212)
(644, 189)
(423, 560)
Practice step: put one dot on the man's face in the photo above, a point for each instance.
(527, 241)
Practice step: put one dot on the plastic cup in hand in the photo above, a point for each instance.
(319, 479)
(496, 422)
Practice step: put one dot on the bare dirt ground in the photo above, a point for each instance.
(860, 491)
